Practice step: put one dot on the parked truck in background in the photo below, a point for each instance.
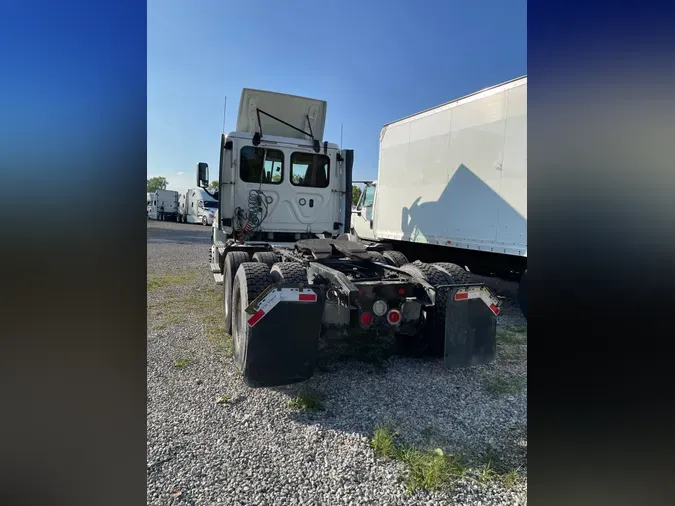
(290, 273)
(452, 185)
(197, 206)
(166, 198)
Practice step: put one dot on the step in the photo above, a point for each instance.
(219, 244)
(218, 278)
(215, 268)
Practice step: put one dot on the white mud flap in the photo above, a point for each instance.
(470, 327)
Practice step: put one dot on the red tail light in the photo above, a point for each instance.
(394, 317)
(366, 319)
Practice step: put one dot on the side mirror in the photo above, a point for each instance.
(202, 175)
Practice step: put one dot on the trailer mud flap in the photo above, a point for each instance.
(284, 327)
(470, 327)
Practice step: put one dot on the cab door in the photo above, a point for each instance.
(315, 189)
(362, 217)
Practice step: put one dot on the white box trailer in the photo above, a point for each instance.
(197, 206)
(452, 183)
(164, 205)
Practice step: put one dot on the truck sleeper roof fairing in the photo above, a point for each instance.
(306, 114)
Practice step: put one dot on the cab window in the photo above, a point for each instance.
(369, 196)
(261, 165)
(310, 170)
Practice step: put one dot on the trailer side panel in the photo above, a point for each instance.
(456, 175)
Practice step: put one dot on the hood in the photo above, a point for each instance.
(289, 108)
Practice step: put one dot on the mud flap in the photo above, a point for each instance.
(284, 327)
(470, 327)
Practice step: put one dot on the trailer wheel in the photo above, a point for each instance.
(431, 341)
(522, 294)
(250, 280)
(289, 272)
(232, 262)
(395, 258)
(456, 272)
(265, 257)
(376, 256)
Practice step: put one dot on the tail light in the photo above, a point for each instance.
(366, 319)
(394, 317)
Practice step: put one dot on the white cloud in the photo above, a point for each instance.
(180, 173)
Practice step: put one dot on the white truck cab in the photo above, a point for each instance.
(197, 206)
(286, 183)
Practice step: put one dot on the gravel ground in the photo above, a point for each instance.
(252, 448)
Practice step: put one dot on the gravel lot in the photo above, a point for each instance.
(211, 440)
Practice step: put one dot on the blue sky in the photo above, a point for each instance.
(372, 61)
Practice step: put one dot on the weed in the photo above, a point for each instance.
(309, 400)
(433, 469)
(223, 400)
(486, 473)
(183, 362)
(157, 281)
(383, 443)
(510, 479)
(503, 386)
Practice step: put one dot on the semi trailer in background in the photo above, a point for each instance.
(197, 206)
(291, 272)
(166, 200)
(452, 185)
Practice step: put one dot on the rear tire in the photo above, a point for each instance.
(456, 272)
(289, 272)
(265, 257)
(431, 341)
(395, 258)
(522, 294)
(376, 256)
(249, 282)
(232, 262)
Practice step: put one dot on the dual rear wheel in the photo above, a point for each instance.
(244, 279)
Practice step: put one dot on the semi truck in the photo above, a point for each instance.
(163, 205)
(452, 185)
(290, 272)
(197, 206)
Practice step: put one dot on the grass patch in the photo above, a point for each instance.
(383, 443)
(433, 469)
(510, 479)
(514, 334)
(223, 400)
(202, 304)
(504, 386)
(182, 363)
(157, 281)
(309, 400)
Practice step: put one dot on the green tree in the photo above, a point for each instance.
(213, 185)
(157, 183)
(356, 194)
